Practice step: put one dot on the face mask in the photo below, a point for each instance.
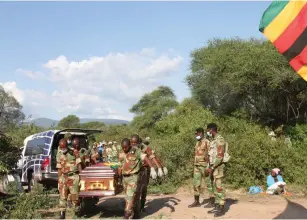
(198, 137)
(209, 134)
(69, 142)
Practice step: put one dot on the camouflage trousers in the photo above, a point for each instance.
(198, 176)
(69, 187)
(131, 186)
(218, 187)
(144, 181)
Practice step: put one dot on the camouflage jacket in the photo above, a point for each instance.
(217, 148)
(148, 151)
(201, 152)
(68, 163)
(131, 162)
(84, 155)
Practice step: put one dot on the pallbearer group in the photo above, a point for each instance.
(137, 162)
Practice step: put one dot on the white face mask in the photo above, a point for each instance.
(209, 134)
(198, 137)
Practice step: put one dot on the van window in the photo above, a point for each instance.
(35, 147)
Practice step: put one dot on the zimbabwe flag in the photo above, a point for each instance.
(284, 23)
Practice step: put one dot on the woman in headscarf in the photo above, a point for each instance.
(275, 182)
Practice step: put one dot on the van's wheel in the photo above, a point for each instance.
(87, 203)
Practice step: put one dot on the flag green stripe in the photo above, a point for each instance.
(270, 13)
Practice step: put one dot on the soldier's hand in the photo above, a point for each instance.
(153, 173)
(165, 171)
(209, 170)
(160, 172)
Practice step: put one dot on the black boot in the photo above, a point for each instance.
(210, 204)
(195, 203)
(216, 206)
(62, 215)
(143, 205)
(220, 211)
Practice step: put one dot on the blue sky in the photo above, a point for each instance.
(152, 39)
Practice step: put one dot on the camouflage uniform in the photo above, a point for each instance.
(200, 164)
(114, 154)
(69, 180)
(84, 156)
(108, 153)
(216, 154)
(145, 173)
(131, 164)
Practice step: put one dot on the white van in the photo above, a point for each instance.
(38, 159)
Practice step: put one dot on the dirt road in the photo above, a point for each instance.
(238, 207)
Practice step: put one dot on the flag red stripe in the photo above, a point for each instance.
(292, 32)
(299, 61)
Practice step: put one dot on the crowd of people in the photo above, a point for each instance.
(136, 161)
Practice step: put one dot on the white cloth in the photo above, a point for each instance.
(160, 172)
(153, 173)
(274, 187)
(276, 170)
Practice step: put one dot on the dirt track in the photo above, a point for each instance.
(238, 207)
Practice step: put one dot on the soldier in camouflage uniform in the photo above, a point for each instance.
(69, 166)
(108, 154)
(200, 164)
(129, 167)
(136, 141)
(94, 155)
(85, 157)
(114, 153)
(216, 169)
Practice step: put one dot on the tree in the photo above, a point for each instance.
(10, 110)
(9, 154)
(248, 78)
(93, 125)
(152, 107)
(70, 121)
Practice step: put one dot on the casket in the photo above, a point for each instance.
(100, 180)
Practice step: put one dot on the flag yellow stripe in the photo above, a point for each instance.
(283, 19)
(303, 72)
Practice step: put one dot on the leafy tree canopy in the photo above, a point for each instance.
(250, 79)
(70, 121)
(153, 106)
(10, 110)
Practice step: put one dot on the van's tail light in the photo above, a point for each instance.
(46, 162)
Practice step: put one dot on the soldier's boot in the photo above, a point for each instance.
(220, 211)
(214, 210)
(62, 215)
(210, 204)
(143, 205)
(195, 203)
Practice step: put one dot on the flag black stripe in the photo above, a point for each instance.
(297, 47)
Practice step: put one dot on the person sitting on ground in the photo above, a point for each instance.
(275, 182)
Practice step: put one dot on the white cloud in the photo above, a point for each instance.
(30, 74)
(31, 100)
(104, 86)
(11, 87)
